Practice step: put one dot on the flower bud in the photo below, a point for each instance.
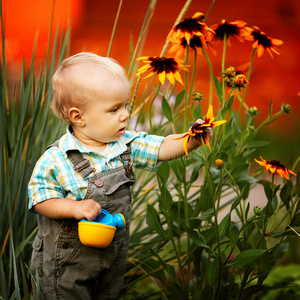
(240, 80)
(219, 163)
(257, 210)
(253, 111)
(197, 96)
(251, 128)
(230, 72)
(286, 108)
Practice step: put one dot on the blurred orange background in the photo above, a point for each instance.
(92, 22)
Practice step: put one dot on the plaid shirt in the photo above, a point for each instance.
(55, 177)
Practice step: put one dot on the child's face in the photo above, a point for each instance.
(105, 114)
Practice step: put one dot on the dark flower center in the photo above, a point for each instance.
(276, 163)
(195, 42)
(262, 39)
(227, 28)
(163, 64)
(189, 25)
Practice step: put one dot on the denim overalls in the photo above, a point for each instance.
(66, 269)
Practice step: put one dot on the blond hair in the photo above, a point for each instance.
(67, 92)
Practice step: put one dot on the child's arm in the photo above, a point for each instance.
(172, 147)
(60, 208)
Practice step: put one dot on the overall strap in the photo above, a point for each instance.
(84, 168)
(127, 161)
(80, 164)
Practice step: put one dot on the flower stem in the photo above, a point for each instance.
(193, 76)
(265, 122)
(209, 9)
(215, 214)
(249, 73)
(223, 69)
(211, 74)
(150, 108)
(245, 90)
(134, 96)
(186, 215)
(186, 93)
(179, 18)
(114, 28)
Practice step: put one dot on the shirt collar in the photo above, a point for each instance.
(69, 142)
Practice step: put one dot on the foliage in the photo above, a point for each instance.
(27, 127)
(194, 232)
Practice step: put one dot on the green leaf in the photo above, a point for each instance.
(268, 190)
(218, 86)
(207, 215)
(198, 239)
(298, 184)
(224, 225)
(195, 174)
(178, 99)
(167, 110)
(163, 171)
(296, 220)
(270, 109)
(264, 267)
(205, 198)
(256, 144)
(233, 234)
(246, 258)
(228, 105)
(271, 121)
(167, 267)
(153, 220)
(176, 166)
(286, 194)
(250, 291)
(166, 198)
(227, 143)
(213, 272)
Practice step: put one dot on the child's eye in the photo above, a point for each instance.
(115, 109)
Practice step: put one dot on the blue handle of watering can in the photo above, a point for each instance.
(106, 218)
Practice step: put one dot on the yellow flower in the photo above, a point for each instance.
(275, 167)
(262, 41)
(190, 27)
(236, 29)
(179, 45)
(219, 163)
(199, 130)
(163, 67)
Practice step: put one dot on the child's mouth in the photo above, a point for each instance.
(122, 131)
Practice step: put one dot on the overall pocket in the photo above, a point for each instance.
(37, 256)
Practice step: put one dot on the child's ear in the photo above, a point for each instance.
(75, 115)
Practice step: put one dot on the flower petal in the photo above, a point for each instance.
(206, 141)
(218, 123)
(185, 143)
(210, 114)
(162, 77)
(178, 77)
(170, 77)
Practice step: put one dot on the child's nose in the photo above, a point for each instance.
(124, 116)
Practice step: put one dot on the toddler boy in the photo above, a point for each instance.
(89, 168)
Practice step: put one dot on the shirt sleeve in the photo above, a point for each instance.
(44, 183)
(145, 149)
